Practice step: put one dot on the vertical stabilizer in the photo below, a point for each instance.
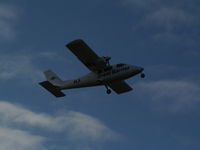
(53, 83)
(53, 78)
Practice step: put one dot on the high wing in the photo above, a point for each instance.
(86, 55)
(120, 87)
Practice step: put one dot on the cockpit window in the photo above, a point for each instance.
(120, 65)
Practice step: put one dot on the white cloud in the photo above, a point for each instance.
(168, 18)
(49, 55)
(8, 17)
(17, 66)
(77, 126)
(172, 96)
(82, 126)
(24, 65)
(13, 139)
(167, 21)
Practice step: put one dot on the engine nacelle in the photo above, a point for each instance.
(104, 61)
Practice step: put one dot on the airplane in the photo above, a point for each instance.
(101, 73)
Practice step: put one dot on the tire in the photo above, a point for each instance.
(108, 91)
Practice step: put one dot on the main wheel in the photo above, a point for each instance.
(142, 75)
(108, 91)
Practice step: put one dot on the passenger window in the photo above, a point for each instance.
(120, 65)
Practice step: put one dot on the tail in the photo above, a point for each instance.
(53, 78)
(52, 84)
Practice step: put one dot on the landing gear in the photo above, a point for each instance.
(108, 90)
(142, 75)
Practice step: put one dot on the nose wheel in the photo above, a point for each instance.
(142, 75)
(108, 90)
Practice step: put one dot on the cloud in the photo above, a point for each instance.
(49, 55)
(166, 20)
(77, 126)
(17, 66)
(8, 17)
(13, 139)
(172, 96)
(23, 66)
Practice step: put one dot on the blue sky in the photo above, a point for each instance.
(161, 113)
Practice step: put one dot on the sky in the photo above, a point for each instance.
(162, 112)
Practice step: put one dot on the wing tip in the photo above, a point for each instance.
(74, 42)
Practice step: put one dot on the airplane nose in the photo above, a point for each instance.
(141, 69)
(137, 69)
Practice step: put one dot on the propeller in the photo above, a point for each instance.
(107, 60)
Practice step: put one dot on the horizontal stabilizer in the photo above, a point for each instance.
(52, 89)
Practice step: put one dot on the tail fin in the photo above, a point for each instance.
(53, 84)
(53, 78)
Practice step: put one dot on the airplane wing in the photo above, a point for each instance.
(120, 87)
(86, 55)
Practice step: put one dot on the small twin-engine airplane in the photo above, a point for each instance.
(102, 73)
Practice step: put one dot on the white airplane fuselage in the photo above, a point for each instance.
(102, 73)
(110, 74)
